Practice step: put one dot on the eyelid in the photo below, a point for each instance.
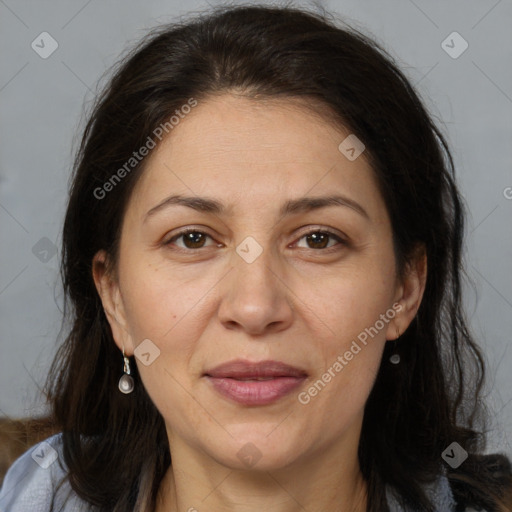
(341, 239)
(322, 229)
(305, 232)
(185, 231)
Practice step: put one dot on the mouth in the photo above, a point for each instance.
(251, 383)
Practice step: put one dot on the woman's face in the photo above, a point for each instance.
(257, 282)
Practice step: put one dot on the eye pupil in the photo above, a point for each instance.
(195, 239)
(315, 237)
(192, 237)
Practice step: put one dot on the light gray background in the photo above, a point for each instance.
(41, 101)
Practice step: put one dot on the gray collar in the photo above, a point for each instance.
(439, 492)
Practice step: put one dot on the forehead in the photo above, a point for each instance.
(234, 128)
(236, 148)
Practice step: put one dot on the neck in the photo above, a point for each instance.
(326, 482)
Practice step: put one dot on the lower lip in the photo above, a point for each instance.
(255, 392)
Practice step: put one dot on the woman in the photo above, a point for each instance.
(262, 250)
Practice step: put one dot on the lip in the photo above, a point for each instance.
(243, 369)
(282, 379)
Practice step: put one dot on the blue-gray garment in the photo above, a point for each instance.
(30, 484)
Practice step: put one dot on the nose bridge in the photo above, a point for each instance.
(255, 268)
(254, 295)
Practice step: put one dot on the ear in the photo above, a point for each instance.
(409, 292)
(110, 294)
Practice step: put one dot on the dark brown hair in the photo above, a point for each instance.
(416, 409)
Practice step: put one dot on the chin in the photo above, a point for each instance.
(258, 452)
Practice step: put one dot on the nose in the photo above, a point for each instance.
(256, 297)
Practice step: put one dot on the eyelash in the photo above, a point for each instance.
(314, 231)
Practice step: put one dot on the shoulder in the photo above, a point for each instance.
(484, 480)
(439, 492)
(31, 481)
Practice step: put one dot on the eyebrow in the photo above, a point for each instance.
(293, 206)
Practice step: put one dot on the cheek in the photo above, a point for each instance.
(162, 300)
(354, 311)
(348, 367)
(166, 306)
(156, 299)
(351, 299)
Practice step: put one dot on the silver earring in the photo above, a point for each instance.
(126, 383)
(395, 358)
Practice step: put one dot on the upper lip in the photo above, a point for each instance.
(240, 368)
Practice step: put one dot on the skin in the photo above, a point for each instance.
(300, 302)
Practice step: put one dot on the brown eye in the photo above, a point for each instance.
(192, 239)
(195, 239)
(319, 239)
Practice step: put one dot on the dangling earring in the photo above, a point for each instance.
(395, 358)
(126, 383)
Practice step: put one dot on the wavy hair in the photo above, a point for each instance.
(415, 409)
